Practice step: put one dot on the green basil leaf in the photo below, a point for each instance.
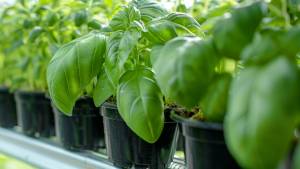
(109, 77)
(232, 34)
(140, 103)
(106, 85)
(94, 24)
(294, 7)
(291, 42)
(127, 43)
(214, 103)
(155, 51)
(123, 19)
(150, 10)
(27, 24)
(35, 33)
(73, 67)
(161, 30)
(270, 43)
(52, 18)
(80, 17)
(261, 112)
(112, 60)
(184, 23)
(265, 47)
(185, 68)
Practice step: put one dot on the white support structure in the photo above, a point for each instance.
(47, 156)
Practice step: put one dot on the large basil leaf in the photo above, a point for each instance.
(73, 67)
(261, 116)
(185, 68)
(214, 103)
(265, 46)
(232, 34)
(155, 51)
(161, 30)
(140, 103)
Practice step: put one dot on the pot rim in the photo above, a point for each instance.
(4, 89)
(115, 107)
(196, 123)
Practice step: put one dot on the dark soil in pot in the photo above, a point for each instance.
(8, 113)
(35, 115)
(83, 130)
(205, 146)
(125, 149)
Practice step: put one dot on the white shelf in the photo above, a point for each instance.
(47, 156)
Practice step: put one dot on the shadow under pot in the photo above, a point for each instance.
(8, 113)
(35, 115)
(83, 130)
(205, 146)
(125, 149)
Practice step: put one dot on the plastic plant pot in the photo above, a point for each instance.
(125, 149)
(83, 130)
(8, 113)
(205, 146)
(180, 144)
(35, 115)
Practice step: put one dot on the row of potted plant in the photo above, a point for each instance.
(31, 32)
(229, 78)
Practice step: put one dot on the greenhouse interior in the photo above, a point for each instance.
(149, 84)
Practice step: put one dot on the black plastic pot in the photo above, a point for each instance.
(125, 149)
(83, 130)
(35, 115)
(205, 146)
(180, 144)
(8, 113)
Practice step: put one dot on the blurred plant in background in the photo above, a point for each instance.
(32, 31)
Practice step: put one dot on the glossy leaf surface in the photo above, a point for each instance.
(233, 33)
(261, 117)
(214, 103)
(140, 103)
(161, 30)
(73, 67)
(184, 69)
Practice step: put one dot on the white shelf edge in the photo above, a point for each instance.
(44, 155)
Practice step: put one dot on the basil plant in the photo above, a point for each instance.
(116, 62)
